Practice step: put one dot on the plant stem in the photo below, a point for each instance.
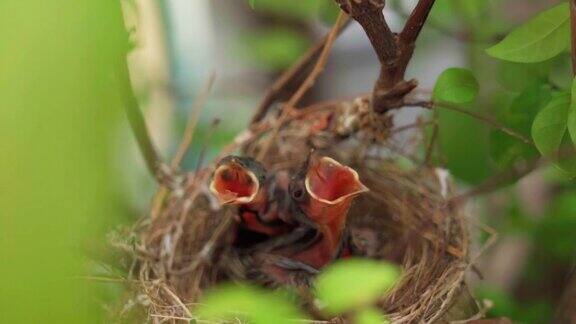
(137, 122)
(485, 119)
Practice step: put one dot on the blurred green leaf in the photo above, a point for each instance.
(555, 232)
(288, 8)
(277, 48)
(369, 315)
(470, 163)
(503, 303)
(252, 304)
(354, 283)
(328, 11)
(549, 130)
(518, 76)
(539, 39)
(59, 131)
(456, 85)
(252, 3)
(471, 9)
(506, 150)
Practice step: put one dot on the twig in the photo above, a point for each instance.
(394, 53)
(291, 79)
(433, 140)
(209, 136)
(187, 138)
(369, 15)
(488, 120)
(409, 35)
(138, 124)
(319, 66)
(192, 121)
(309, 82)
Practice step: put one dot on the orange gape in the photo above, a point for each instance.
(324, 196)
(242, 181)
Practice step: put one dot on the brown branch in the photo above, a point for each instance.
(368, 13)
(573, 29)
(409, 35)
(285, 86)
(394, 53)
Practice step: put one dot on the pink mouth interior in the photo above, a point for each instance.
(234, 182)
(330, 181)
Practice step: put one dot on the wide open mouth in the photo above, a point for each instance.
(233, 183)
(331, 182)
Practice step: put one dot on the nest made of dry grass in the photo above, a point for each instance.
(185, 248)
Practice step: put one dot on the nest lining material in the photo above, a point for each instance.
(186, 248)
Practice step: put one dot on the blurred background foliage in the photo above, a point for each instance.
(70, 172)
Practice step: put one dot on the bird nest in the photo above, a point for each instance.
(407, 217)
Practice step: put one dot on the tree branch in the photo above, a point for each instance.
(368, 13)
(394, 53)
(410, 33)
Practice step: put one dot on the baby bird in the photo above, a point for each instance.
(321, 194)
(243, 182)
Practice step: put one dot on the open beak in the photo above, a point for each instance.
(331, 183)
(234, 183)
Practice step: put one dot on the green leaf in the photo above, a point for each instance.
(300, 10)
(456, 85)
(519, 116)
(275, 48)
(252, 3)
(550, 125)
(572, 114)
(369, 315)
(328, 12)
(252, 304)
(353, 283)
(549, 132)
(517, 76)
(539, 39)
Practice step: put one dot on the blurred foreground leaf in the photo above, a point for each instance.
(59, 115)
(354, 283)
(252, 304)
